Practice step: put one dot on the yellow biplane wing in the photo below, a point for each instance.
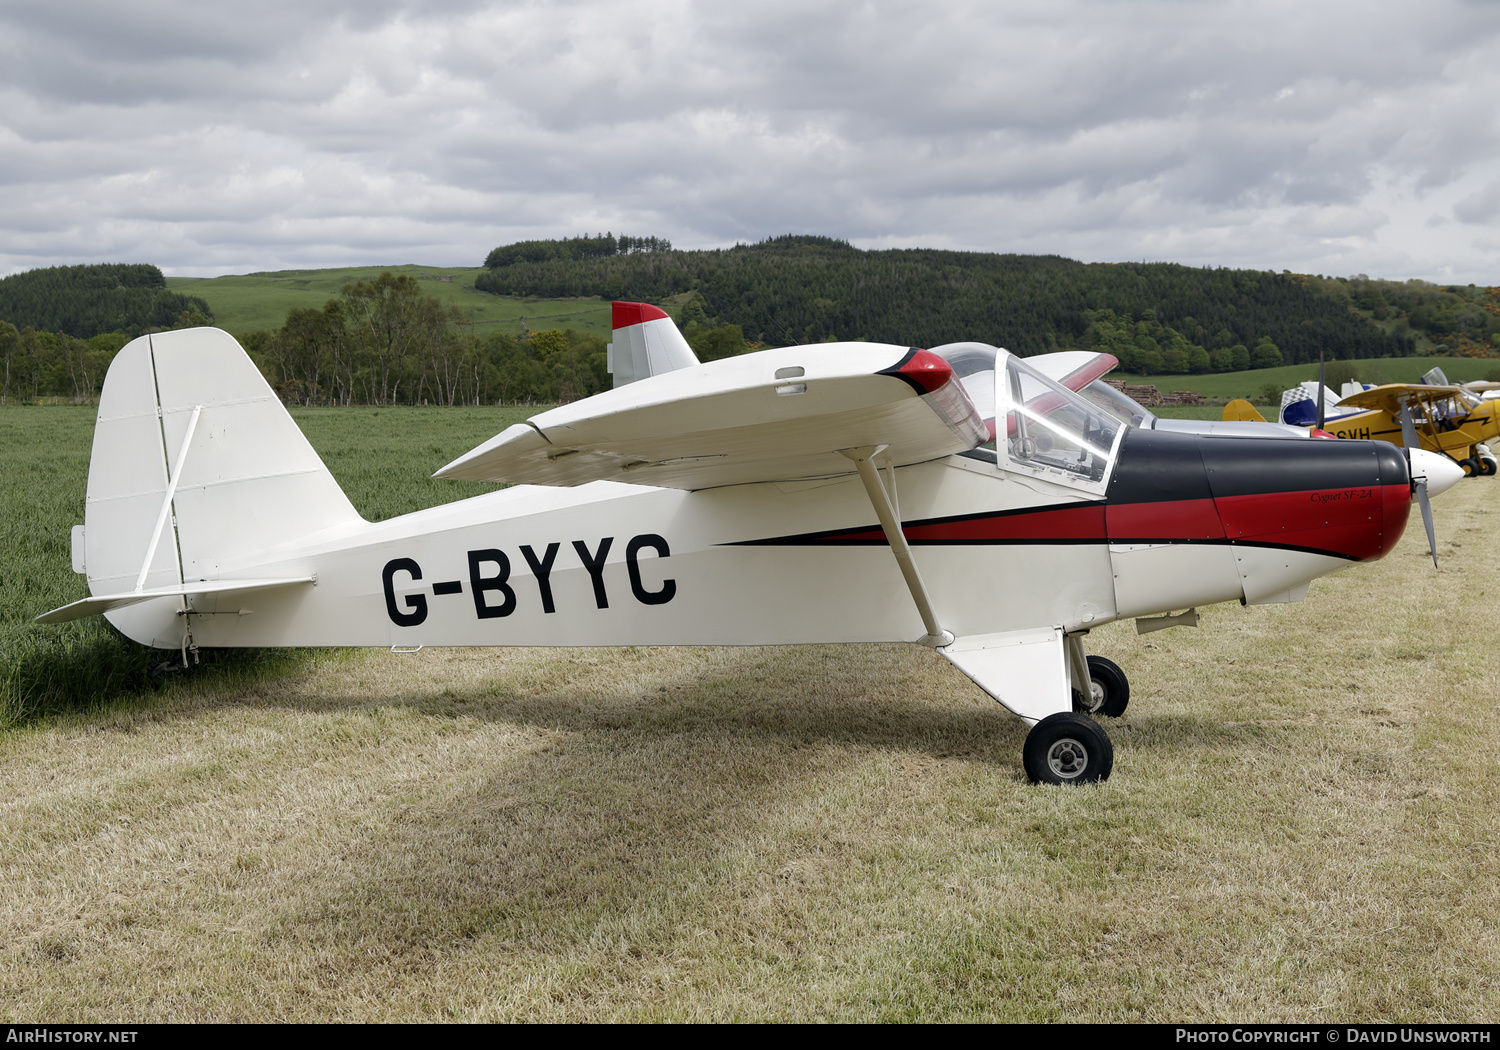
(1388, 398)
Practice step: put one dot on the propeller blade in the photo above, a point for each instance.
(1409, 436)
(1408, 428)
(1322, 411)
(1426, 506)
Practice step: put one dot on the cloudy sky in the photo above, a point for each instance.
(209, 138)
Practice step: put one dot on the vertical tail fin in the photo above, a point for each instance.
(197, 469)
(646, 343)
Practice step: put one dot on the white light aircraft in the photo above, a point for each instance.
(841, 492)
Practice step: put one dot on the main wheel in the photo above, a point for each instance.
(1067, 748)
(1471, 467)
(1488, 465)
(1109, 689)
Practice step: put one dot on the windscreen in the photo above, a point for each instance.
(1051, 428)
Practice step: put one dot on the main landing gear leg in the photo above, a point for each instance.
(1030, 673)
(1107, 691)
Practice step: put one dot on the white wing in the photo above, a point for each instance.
(775, 415)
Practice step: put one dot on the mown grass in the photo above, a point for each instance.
(243, 303)
(381, 456)
(1303, 825)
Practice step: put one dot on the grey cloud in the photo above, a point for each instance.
(1246, 134)
(1481, 208)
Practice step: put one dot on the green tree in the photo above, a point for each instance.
(1265, 355)
(726, 340)
(549, 342)
(10, 345)
(395, 325)
(1337, 373)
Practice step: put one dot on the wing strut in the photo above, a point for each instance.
(863, 459)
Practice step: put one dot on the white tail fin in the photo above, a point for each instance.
(197, 469)
(646, 343)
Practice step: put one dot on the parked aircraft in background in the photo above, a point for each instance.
(1454, 422)
(829, 493)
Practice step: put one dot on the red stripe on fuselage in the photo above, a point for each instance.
(1186, 519)
(1084, 521)
(1359, 523)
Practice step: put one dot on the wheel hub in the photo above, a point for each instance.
(1068, 758)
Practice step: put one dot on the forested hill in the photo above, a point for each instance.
(84, 301)
(806, 289)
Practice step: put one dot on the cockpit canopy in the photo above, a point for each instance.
(1046, 427)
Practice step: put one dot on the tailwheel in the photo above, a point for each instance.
(1067, 748)
(1109, 689)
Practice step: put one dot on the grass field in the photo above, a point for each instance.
(1303, 824)
(249, 302)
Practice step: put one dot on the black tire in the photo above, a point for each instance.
(1472, 469)
(1110, 692)
(1067, 748)
(1487, 466)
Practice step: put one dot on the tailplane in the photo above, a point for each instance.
(1243, 411)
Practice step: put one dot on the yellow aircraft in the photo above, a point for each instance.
(1451, 420)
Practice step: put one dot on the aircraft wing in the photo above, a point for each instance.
(1387, 398)
(775, 415)
(1074, 369)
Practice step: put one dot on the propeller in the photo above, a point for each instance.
(1322, 409)
(1409, 438)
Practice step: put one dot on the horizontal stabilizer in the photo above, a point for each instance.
(102, 603)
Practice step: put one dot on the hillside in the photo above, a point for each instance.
(259, 301)
(808, 289)
(1453, 319)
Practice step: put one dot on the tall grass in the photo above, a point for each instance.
(383, 457)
